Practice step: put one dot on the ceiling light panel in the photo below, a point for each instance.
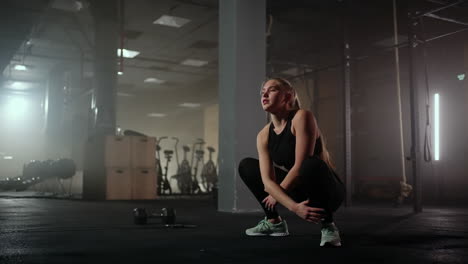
(190, 105)
(194, 63)
(154, 80)
(156, 115)
(171, 21)
(124, 94)
(128, 53)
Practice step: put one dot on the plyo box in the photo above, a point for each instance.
(130, 165)
(130, 151)
(144, 184)
(118, 184)
(143, 152)
(117, 152)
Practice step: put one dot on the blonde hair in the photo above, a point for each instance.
(325, 155)
(296, 105)
(286, 85)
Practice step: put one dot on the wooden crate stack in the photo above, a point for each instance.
(130, 168)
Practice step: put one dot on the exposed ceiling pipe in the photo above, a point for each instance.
(50, 57)
(447, 19)
(122, 34)
(440, 8)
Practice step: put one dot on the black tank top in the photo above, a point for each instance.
(282, 146)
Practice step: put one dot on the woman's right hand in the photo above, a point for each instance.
(310, 214)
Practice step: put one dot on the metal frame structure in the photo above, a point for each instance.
(414, 56)
(347, 107)
(414, 47)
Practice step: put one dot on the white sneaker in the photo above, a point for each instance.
(330, 236)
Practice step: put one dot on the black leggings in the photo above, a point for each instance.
(316, 182)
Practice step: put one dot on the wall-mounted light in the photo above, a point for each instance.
(20, 67)
(436, 126)
(19, 86)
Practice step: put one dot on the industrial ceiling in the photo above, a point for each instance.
(302, 34)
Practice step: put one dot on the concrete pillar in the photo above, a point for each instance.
(242, 56)
(465, 81)
(105, 65)
(56, 127)
(465, 104)
(53, 107)
(346, 100)
(104, 96)
(210, 118)
(415, 76)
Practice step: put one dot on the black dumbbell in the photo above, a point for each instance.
(167, 215)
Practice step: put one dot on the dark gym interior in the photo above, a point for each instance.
(123, 123)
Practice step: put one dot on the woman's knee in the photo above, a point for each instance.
(248, 165)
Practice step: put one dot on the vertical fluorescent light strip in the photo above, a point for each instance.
(436, 126)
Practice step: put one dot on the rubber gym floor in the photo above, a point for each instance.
(44, 230)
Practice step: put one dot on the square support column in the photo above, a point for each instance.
(242, 69)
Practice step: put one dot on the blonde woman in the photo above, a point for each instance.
(293, 169)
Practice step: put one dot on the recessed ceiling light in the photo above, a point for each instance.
(125, 94)
(171, 21)
(120, 73)
(20, 67)
(190, 105)
(128, 53)
(156, 115)
(8, 157)
(195, 63)
(154, 80)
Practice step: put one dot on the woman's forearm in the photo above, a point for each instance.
(290, 180)
(280, 195)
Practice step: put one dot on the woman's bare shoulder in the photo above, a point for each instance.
(302, 115)
(303, 118)
(263, 134)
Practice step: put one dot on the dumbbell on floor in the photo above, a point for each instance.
(167, 215)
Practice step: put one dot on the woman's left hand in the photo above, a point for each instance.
(310, 214)
(269, 202)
